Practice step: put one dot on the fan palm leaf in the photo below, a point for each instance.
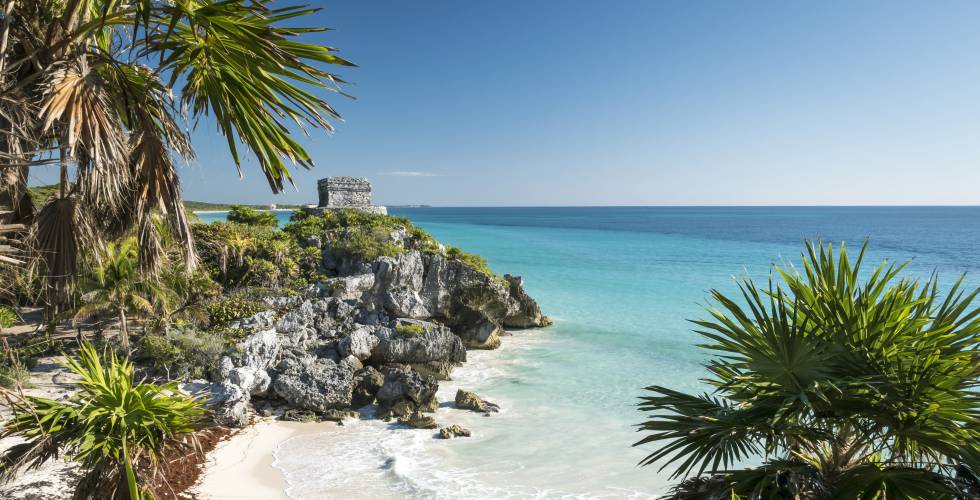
(849, 385)
(97, 79)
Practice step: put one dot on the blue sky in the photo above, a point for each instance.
(642, 103)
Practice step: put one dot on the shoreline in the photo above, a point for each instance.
(241, 467)
(259, 209)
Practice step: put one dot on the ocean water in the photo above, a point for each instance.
(621, 284)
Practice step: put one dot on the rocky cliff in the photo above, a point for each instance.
(381, 331)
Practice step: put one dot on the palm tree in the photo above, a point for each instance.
(115, 285)
(846, 388)
(106, 89)
(108, 426)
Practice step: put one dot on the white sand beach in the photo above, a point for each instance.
(241, 467)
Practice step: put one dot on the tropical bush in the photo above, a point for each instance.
(475, 262)
(8, 317)
(359, 234)
(116, 286)
(366, 243)
(111, 423)
(228, 309)
(236, 255)
(16, 362)
(183, 354)
(251, 217)
(846, 388)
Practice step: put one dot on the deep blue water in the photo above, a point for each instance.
(621, 283)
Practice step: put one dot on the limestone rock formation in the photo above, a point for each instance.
(380, 331)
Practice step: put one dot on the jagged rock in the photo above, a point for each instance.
(528, 313)
(350, 287)
(352, 361)
(452, 431)
(230, 403)
(312, 350)
(477, 330)
(466, 400)
(367, 382)
(314, 384)
(300, 415)
(404, 392)
(339, 415)
(418, 421)
(436, 343)
(360, 343)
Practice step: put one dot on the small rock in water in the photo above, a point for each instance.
(339, 415)
(419, 421)
(466, 400)
(300, 415)
(452, 431)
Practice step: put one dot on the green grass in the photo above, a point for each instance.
(410, 330)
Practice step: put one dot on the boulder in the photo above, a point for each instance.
(452, 431)
(350, 287)
(367, 382)
(417, 420)
(359, 343)
(405, 391)
(466, 400)
(230, 403)
(477, 330)
(300, 415)
(340, 415)
(435, 343)
(314, 384)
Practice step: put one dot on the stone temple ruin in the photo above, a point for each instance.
(346, 192)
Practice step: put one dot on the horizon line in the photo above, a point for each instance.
(426, 205)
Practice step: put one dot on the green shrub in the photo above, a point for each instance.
(183, 354)
(410, 330)
(366, 243)
(422, 241)
(16, 362)
(8, 317)
(304, 225)
(251, 217)
(473, 261)
(13, 375)
(158, 351)
(228, 309)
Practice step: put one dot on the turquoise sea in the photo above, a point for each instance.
(620, 284)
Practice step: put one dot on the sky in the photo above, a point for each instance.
(622, 102)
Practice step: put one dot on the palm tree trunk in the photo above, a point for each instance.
(123, 330)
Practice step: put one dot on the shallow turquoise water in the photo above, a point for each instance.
(620, 284)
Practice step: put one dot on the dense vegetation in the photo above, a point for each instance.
(251, 217)
(846, 388)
